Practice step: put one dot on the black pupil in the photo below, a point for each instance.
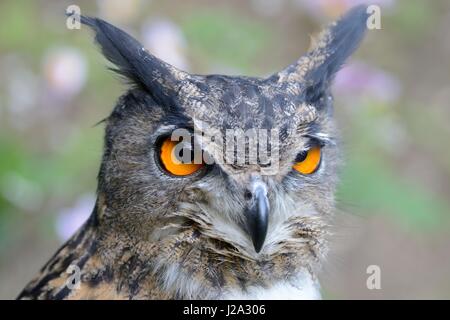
(180, 156)
(301, 156)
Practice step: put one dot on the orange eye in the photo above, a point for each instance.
(309, 161)
(171, 162)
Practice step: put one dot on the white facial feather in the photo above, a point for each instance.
(302, 288)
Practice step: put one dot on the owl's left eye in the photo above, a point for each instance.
(307, 162)
(171, 159)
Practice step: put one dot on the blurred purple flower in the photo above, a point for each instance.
(333, 8)
(359, 79)
(164, 39)
(70, 219)
(65, 72)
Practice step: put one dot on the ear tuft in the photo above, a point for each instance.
(335, 44)
(119, 48)
(330, 50)
(132, 61)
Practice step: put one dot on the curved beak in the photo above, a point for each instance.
(257, 217)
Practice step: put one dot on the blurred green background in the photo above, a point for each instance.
(392, 104)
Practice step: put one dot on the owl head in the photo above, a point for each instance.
(229, 167)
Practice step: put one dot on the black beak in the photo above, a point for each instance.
(257, 217)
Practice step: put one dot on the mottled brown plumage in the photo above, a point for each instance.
(156, 236)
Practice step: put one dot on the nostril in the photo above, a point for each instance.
(247, 195)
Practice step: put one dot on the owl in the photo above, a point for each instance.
(184, 209)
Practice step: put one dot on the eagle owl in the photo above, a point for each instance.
(166, 228)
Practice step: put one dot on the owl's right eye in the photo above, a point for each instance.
(308, 162)
(171, 159)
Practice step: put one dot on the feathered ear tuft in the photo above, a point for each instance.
(133, 62)
(335, 45)
(330, 51)
(119, 48)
